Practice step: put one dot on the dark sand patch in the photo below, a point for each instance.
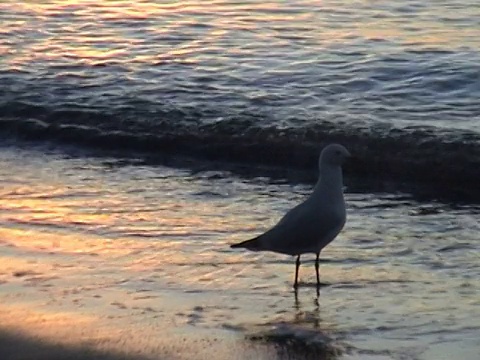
(14, 346)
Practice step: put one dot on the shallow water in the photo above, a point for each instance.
(146, 248)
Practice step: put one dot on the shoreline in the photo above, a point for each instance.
(414, 167)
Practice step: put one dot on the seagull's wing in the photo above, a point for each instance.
(302, 229)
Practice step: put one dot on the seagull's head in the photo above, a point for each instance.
(334, 155)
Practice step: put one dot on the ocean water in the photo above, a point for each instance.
(398, 83)
(139, 139)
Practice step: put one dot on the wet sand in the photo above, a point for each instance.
(18, 346)
(29, 335)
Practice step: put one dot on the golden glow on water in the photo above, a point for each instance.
(147, 32)
(51, 324)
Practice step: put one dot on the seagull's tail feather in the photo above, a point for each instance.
(253, 244)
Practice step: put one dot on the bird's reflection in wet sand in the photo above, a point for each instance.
(313, 316)
(316, 299)
(300, 332)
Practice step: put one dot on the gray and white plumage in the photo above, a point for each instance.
(313, 224)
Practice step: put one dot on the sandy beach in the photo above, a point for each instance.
(31, 335)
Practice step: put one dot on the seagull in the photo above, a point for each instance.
(313, 224)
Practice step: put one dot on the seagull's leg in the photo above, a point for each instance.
(317, 265)
(297, 265)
